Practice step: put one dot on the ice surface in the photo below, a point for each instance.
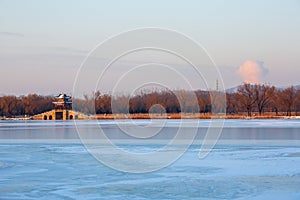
(240, 169)
(62, 171)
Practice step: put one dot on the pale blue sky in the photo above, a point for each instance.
(42, 43)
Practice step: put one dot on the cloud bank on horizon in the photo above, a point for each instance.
(252, 71)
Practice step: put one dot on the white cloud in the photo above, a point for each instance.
(252, 71)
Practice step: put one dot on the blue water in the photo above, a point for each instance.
(252, 160)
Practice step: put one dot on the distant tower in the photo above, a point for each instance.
(63, 102)
(62, 107)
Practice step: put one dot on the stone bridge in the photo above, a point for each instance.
(60, 115)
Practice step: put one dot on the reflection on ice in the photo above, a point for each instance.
(142, 131)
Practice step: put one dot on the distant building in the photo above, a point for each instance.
(62, 110)
(63, 102)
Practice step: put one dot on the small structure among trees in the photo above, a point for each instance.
(63, 102)
(62, 110)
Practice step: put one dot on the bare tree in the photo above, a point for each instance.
(120, 104)
(188, 101)
(263, 95)
(297, 102)
(274, 102)
(287, 99)
(231, 103)
(246, 96)
(218, 101)
(137, 104)
(204, 101)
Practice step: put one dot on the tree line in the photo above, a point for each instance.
(29, 105)
(248, 99)
(264, 98)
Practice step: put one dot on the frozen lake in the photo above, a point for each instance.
(253, 159)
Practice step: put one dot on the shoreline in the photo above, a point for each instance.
(173, 116)
(188, 116)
